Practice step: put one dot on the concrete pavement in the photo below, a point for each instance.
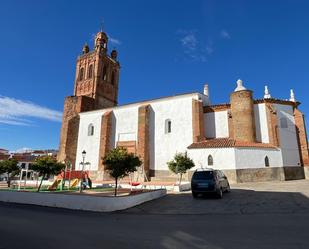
(259, 219)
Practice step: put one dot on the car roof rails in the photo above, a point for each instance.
(204, 169)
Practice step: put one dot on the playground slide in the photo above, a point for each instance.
(54, 185)
(74, 183)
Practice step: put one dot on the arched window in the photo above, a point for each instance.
(90, 71)
(81, 74)
(210, 160)
(90, 130)
(113, 78)
(283, 122)
(104, 73)
(266, 161)
(168, 126)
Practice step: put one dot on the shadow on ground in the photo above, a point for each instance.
(242, 219)
(239, 201)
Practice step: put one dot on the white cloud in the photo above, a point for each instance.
(17, 112)
(224, 34)
(191, 45)
(114, 41)
(189, 41)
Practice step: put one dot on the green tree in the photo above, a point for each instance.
(119, 163)
(46, 166)
(10, 168)
(180, 164)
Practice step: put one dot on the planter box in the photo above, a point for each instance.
(184, 186)
(80, 202)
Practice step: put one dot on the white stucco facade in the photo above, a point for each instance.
(287, 135)
(261, 126)
(178, 111)
(216, 124)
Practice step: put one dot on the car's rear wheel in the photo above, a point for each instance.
(195, 195)
(228, 189)
(219, 193)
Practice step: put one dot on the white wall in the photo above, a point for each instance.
(261, 126)
(254, 157)
(125, 124)
(91, 144)
(164, 146)
(288, 137)
(125, 127)
(223, 158)
(216, 124)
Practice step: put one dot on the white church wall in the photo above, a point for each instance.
(216, 124)
(288, 137)
(125, 124)
(246, 158)
(261, 123)
(163, 146)
(91, 144)
(223, 158)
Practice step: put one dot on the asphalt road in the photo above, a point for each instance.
(259, 219)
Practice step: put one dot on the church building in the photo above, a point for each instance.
(249, 139)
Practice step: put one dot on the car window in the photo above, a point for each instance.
(203, 175)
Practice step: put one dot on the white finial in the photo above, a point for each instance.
(206, 90)
(292, 96)
(266, 93)
(239, 87)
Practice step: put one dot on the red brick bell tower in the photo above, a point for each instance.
(96, 87)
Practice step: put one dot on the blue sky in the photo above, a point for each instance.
(165, 48)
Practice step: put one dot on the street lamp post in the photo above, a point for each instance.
(83, 165)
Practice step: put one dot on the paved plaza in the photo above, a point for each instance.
(256, 215)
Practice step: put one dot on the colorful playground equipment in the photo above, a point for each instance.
(54, 185)
(74, 183)
(74, 177)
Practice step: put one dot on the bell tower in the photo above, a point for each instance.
(97, 74)
(95, 87)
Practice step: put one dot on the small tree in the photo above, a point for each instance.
(180, 164)
(119, 163)
(9, 167)
(47, 166)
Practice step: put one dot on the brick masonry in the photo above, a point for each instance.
(243, 116)
(301, 137)
(197, 120)
(73, 105)
(95, 87)
(272, 124)
(105, 138)
(143, 137)
(130, 146)
(230, 124)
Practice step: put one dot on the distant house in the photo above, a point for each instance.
(4, 151)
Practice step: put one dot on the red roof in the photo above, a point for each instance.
(228, 143)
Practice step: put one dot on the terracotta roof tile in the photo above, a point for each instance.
(227, 143)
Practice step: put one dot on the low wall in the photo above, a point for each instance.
(247, 175)
(80, 202)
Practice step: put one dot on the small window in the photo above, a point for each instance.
(90, 71)
(90, 130)
(283, 123)
(81, 74)
(168, 126)
(266, 161)
(210, 160)
(104, 73)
